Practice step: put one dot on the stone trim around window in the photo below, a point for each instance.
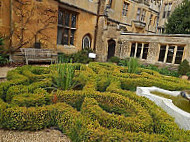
(172, 54)
(67, 26)
(139, 50)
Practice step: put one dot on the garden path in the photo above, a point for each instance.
(46, 135)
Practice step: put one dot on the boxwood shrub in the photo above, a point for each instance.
(100, 108)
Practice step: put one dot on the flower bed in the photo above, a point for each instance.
(101, 109)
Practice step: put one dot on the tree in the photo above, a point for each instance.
(31, 22)
(179, 21)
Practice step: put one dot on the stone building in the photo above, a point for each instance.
(101, 25)
(166, 9)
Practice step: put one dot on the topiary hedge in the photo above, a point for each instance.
(101, 109)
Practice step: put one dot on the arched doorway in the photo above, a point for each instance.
(111, 48)
(86, 42)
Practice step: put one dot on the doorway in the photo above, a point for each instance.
(111, 48)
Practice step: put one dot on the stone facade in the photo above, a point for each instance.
(159, 49)
(95, 24)
(168, 6)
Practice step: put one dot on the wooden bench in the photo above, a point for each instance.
(33, 54)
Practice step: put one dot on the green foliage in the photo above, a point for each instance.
(132, 65)
(164, 71)
(3, 57)
(29, 100)
(184, 67)
(123, 62)
(114, 59)
(179, 21)
(63, 77)
(102, 110)
(79, 57)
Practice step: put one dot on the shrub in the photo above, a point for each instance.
(164, 71)
(63, 77)
(79, 57)
(22, 118)
(115, 114)
(14, 91)
(4, 58)
(123, 62)
(184, 67)
(114, 59)
(132, 65)
(29, 100)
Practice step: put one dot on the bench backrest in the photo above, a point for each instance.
(33, 53)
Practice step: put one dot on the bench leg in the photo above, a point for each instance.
(27, 61)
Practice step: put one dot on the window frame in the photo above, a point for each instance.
(70, 28)
(89, 40)
(125, 9)
(138, 15)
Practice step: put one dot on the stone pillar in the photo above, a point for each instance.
(100, 46)
(153, 53)
(166, 54)
(125, 49)
(174, 56)
(142, 51)
(135, 50)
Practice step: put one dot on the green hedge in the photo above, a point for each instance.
(29, 100)
(33, 118)
(99, 108)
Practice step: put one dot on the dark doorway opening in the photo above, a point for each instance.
(111, 48)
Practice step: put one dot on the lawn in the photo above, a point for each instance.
(96, 103)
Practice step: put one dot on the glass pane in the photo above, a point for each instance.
(73, 19)
(138, 17)
(66, 38)
(59, 35)
(60, 17)
(132, 49)
(86, 43)
(179, 55)
(139, 47)
(124, 13)
(67, 19)
(170, 54)
(145, 51)
(162, 53)
(72, 37)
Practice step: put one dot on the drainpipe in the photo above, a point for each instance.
(96, 27)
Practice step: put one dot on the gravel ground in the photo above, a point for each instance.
(4, 70)
(46, 135)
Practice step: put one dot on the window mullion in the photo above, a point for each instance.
(70, 24)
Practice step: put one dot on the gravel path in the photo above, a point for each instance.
(4, 70)
(46, 135)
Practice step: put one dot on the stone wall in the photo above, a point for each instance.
(172, 44)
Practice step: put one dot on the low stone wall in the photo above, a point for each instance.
(182, 118)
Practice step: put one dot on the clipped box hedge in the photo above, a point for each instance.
(101, 108)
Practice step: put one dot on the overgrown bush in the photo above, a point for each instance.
(132, 65)
(184, 67)
(114, 59)
(123, 62)
(63, 76)
(4, 58)
(164, 71)
(79, 57)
